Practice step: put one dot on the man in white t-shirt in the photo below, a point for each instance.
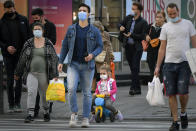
(175, 41)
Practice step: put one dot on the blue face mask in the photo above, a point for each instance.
(37, 33)
(133, 13)
(174, 20)
(82, 16)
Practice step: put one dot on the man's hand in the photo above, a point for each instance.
(156, 72)
(89, 57)
(11, 50)
(16, 77)
(127, 35)
(60, 67)
(122, 28)
(148, 38)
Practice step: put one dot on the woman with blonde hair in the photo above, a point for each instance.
(107, 47)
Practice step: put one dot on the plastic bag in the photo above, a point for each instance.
(155, 95)
(56, 91)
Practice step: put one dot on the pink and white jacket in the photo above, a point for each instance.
(111, 86)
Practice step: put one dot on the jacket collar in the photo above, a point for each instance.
(90, 28)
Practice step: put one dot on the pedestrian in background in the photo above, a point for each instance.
(49, 27)
(50, 33)
(107, 47)
(152, 38)
(37, 64)
(14, 31)
(82, 44)
(132, 31)
(175, 41)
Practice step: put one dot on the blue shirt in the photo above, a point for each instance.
(80, 48)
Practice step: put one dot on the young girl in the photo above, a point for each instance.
(106, 86)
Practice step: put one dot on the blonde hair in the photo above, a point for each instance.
(105, 67)
(99, 25)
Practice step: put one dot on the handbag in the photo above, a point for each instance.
(101, 57)
(154, 42)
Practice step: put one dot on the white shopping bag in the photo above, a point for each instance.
(155, 95)
(191, 57)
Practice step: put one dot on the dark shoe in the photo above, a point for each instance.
(184, 121)
(29, 119)
(174, 127)
(131, 92)
(137, 92)
(47, 117)
(36, 114)
(17, 108)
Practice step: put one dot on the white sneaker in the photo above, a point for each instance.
(73, 121)
(85, 123)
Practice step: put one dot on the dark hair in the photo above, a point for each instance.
(139, 6)
(8, 4)
(38, 24)
(85, 5)
(162, 13)
(37, 11)
(172, 5)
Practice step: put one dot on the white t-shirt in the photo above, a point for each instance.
(177, 36)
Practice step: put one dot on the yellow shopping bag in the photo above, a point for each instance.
(55, 91)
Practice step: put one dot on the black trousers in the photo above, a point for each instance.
(152, 56)
(133, 57)
(14, 93)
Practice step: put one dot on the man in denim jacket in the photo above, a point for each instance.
(81, 45)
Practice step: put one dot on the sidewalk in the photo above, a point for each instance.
(132, 107)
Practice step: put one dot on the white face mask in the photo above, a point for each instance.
(37, 33)
(103, 77)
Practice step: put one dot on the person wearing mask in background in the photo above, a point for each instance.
(37, 65)
(49, 27)
(50, 33)
(82, 44)
(175, 41)
(152, 38)
(133, 29)
(107, 46)
(14, 31)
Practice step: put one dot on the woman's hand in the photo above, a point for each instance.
(55, 78)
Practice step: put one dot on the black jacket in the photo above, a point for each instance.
(5, 37)
(153, 32)
(139, 31)
(49, 31)
(24, 62)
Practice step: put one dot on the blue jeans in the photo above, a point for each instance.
(80, 72)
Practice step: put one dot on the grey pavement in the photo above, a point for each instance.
(13, 124)
(132, 107)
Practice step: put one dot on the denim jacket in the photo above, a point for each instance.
(94, 44)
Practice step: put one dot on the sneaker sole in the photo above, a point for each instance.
(72, 125)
